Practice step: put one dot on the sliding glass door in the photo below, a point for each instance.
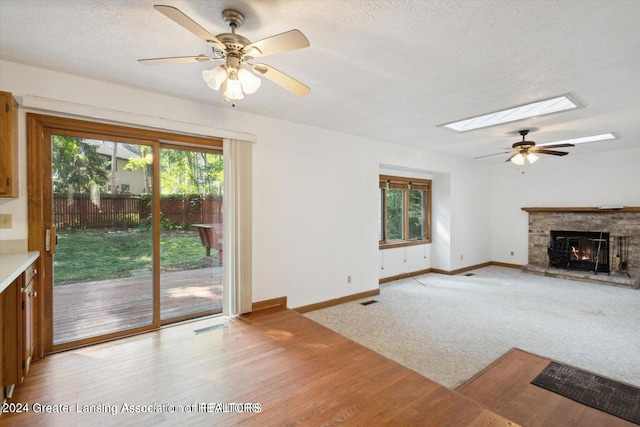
(103, 262)
(191, 232)
(129, 226)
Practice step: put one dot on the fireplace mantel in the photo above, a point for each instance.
(625, 209)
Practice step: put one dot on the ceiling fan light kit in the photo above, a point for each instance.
(236, 51)
(519, 159)
(215, 77)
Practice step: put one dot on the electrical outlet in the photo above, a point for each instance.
(461, 257)
(5, 221)
(348, 279)
(512, 253)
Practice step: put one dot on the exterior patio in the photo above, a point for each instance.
(89, 309)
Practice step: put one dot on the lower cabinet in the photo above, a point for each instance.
(17, 304)
(28, 309)
(12, 331)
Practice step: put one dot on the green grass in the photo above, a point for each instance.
(87, 255)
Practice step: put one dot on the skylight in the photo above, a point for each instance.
(574, 141)
(539, 108)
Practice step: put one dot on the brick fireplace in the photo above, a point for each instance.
(608, 224)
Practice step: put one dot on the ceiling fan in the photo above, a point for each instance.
(527, 150)
(236, 52)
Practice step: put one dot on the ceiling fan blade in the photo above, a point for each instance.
(176, 60)
(281, 79)
(180, 18)
(556, 146)
(290, 40)
(553, 153)
(489, 155)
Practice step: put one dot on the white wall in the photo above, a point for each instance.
(590, 180)
(315, 192)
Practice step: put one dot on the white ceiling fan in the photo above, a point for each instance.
(236, 52)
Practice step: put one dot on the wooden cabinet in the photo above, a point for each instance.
(8, 145)
(17, 303)
(12, 331)
(29, 293)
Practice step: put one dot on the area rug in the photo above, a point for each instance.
(606, 395)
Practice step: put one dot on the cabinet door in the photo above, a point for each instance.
(12, 330)
(27, 327)
(8, 145)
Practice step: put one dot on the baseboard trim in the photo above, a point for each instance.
(464, 269)
(282, 301)
(336, 301)
(448, 273)
(504, 264)
(404, 275)
(269, 303)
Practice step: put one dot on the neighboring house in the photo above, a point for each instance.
(126, 181)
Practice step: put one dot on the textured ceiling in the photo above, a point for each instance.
(386, 70)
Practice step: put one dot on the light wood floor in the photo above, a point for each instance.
(300, 373)
(505, 388)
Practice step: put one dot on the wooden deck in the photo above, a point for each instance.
(89, 309)
(291, 369)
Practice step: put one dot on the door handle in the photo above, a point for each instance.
(50, 240)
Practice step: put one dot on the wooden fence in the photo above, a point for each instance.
(124, 211)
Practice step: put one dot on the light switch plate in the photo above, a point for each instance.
(5, 221)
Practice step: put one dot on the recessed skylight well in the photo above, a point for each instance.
(534, 109)
(582, 140)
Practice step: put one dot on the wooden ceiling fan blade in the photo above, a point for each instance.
(190, 25)
(281, 79)
(176, 60)
(553, 153)
(557, 146)
(283, 42)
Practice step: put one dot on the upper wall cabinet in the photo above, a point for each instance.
(8, 145)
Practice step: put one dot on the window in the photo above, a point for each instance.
(405, 211)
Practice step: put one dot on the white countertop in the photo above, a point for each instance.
(13, 265)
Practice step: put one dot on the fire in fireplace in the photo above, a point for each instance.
(579, 250)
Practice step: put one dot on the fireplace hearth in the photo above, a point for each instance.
(579, 250)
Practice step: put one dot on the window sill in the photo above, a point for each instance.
(402, 243)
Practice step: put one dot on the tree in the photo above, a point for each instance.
(190, 172)
(76, 165)
(183, 171)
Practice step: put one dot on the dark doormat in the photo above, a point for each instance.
(621, 400)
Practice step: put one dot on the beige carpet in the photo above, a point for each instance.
(450, 327)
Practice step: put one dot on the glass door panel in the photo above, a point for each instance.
(103, 264)
(191, 233)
